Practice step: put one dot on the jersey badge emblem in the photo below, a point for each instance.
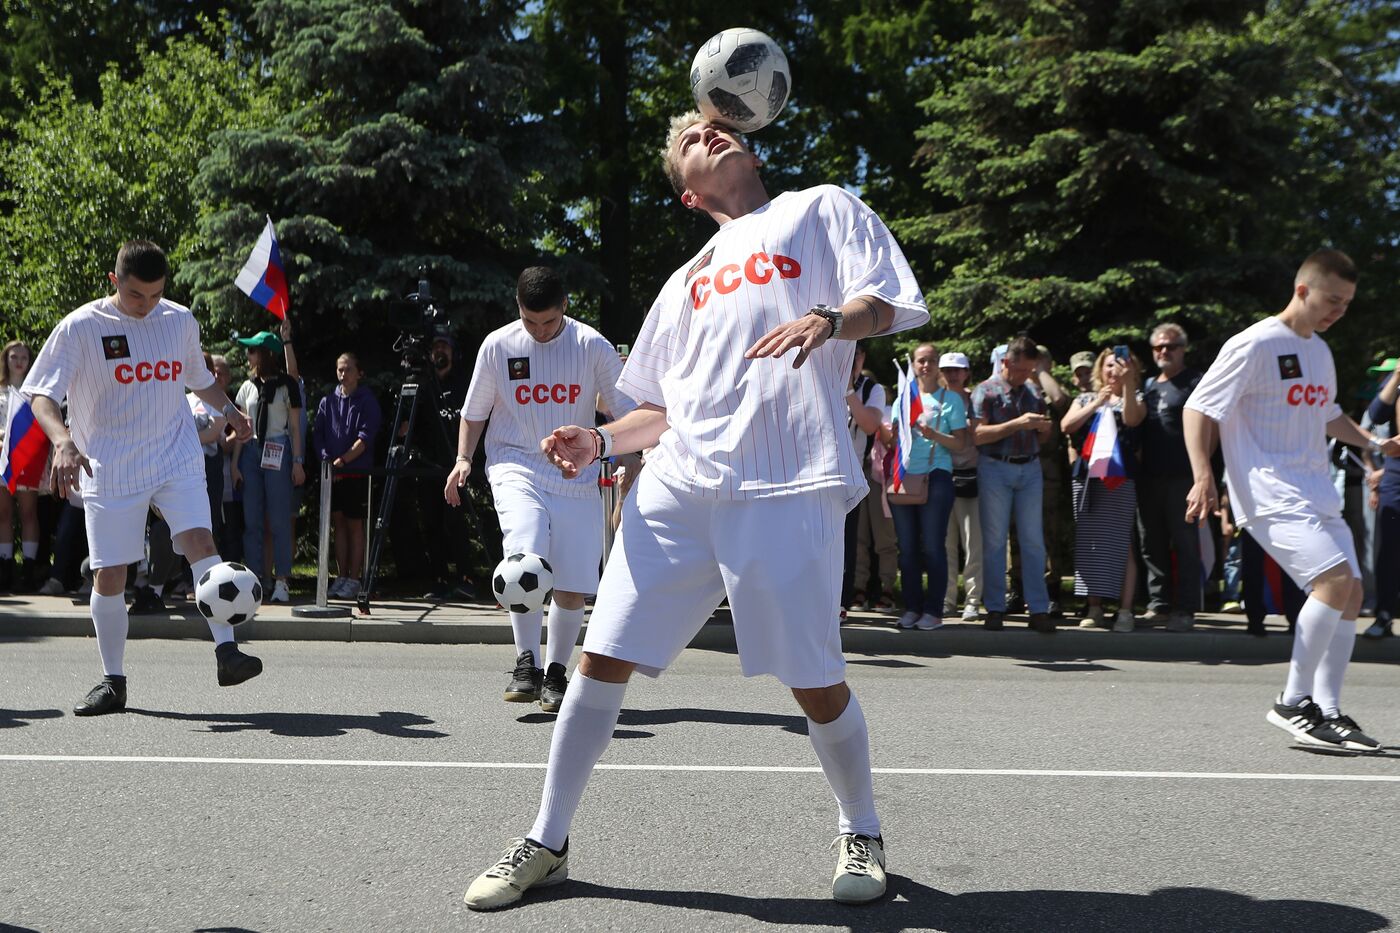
(1289, 367)
(116, 348)
(700, 263)
(519, 367)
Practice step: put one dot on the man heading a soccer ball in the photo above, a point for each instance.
(124, 363)
(746, 493)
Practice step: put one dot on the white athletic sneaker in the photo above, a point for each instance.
(351, 588)
(860, 869)
(970, 613)
(1124, 621)
(928, 622)
(526, 864)
(908, 620)
(279, 593)
(52, 587)
(333, 591)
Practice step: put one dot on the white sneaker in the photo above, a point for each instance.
(333, 588)
(526, 864)
(860, 869)
(351, 589)
(1124, 621)
(279, 593)
(908, 620)
(52, 587)
(970, 613)
(928, 622)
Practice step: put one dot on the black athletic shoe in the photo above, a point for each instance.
(1304, 722)
(147, 600)
(552, 691)
(1042, 623)
(107, 697)
(235, 666)
(1350, 733)
(526, 681)
(994, 621)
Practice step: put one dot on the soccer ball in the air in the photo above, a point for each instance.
(522, 582)
(228, 592)
(740, 78)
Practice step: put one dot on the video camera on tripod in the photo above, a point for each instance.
(413, 344)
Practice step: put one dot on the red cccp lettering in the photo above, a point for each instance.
(543, 392)
(160, 371)
(758, 269)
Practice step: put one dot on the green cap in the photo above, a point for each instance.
(267, 340)
(1385, 366)
(1082, 358)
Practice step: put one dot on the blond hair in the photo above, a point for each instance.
(669, 160)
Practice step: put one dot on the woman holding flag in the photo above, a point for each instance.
(927, 422)
(24, 457)
(1103, 427)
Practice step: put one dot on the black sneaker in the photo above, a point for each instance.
(1381, 628)
(147, 600)
(1350, 733)
(526, 681)
(235, 666)
(107, 697)
(552, 691)
(1304, 722)
(994, 621)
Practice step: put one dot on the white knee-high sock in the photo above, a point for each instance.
(110, 623)
(1327, 682)
(843, 748)
(1317, 621)
(525, 626)
(30, 549)
(221, 631)
(585, 727)
(7, 551)
(564, 625)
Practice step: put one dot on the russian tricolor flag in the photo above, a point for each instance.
(908, 406)
(1102, 450)
(262, 278)
(26, 447)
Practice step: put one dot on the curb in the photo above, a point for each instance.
(864, 633)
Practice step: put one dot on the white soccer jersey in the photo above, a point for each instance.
(527, 389)
(1273, 394)
(125, 379)
(739, 428)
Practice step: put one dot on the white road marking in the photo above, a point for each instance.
(755, 769)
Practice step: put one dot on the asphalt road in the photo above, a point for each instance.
(370, 782)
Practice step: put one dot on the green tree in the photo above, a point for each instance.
(1101, 166)
(84, 177)
(405, 143)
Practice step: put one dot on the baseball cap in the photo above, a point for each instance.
(265, 340)
(1385, 366)
(1082, 358)
(953, 361)
(997, 354)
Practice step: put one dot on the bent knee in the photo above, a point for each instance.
(608, 670)
(568, 600)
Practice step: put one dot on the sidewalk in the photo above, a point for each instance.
(1216, 638)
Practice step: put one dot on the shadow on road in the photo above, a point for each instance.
(913, 906)
(666, 717)
(308, 725)
(14, 718)
(1067, 667)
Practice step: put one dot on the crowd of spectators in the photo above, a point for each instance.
(1011, 511)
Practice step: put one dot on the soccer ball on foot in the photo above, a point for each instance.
(228, 592)
(740, 78)
(522, 582)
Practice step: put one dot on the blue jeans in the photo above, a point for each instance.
(267, 494)
(1005, 490)
(921, 531)
(1231, 593)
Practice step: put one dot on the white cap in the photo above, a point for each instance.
(997, 354)
(953, 361)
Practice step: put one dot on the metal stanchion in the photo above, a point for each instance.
(608, 487)
(322, 610)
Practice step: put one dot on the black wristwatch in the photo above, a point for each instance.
(831, 316)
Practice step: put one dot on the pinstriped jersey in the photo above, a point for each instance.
(743, 429)
(527, 389)
(125, 379)
(1273, 393)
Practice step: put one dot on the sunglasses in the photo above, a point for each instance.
(1167, 346)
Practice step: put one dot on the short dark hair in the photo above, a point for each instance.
(539, 288)
(1328, 261)
(1023, 347)
(143, 260)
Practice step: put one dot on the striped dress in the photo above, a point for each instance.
(1105, 519)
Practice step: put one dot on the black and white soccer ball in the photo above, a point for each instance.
(228, 592)
(523, 582)
(740, 78)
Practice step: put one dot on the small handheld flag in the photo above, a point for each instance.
(908, 406)
(262, 278)
(26, 447)
(1104, 453)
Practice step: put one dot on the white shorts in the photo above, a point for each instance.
(116, 525)
(778, 560)
(1305, 546)
(566, 531)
